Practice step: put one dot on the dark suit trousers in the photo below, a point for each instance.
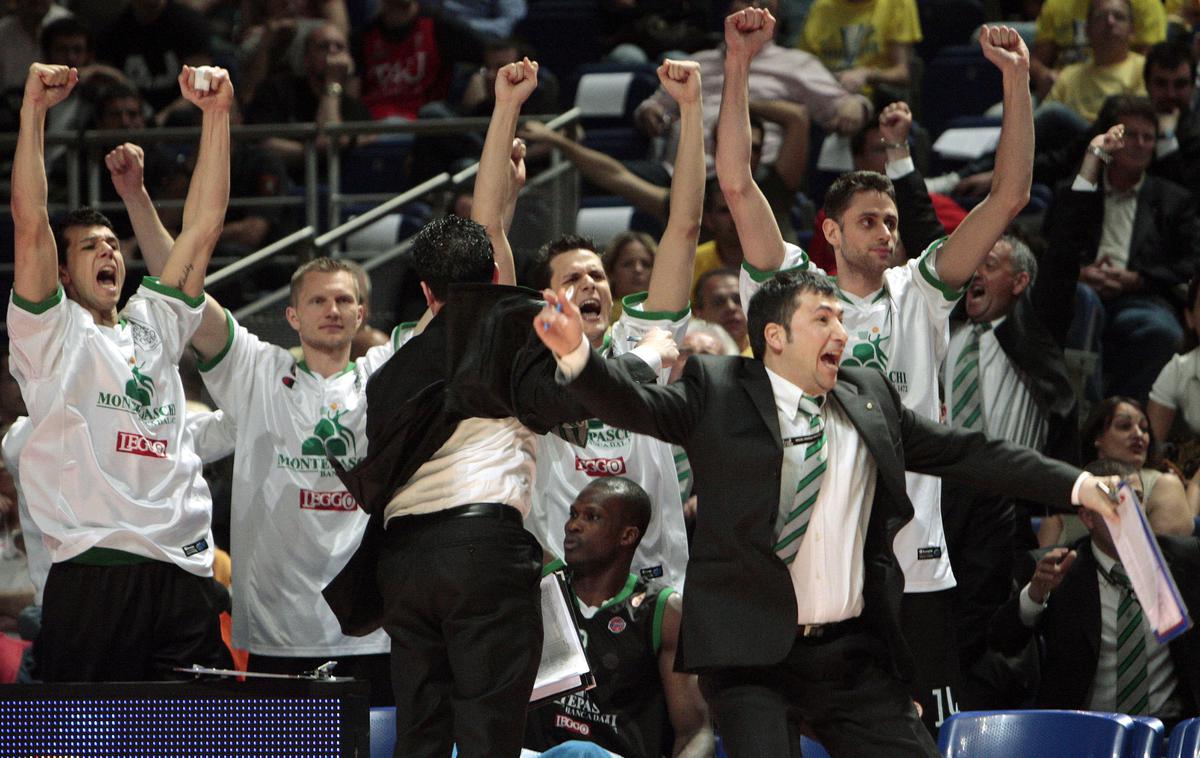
(841, 689)
(462, 607)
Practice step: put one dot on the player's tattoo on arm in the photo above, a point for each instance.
(183, 276)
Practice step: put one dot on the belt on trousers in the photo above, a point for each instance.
(826, 632)
(497, 511)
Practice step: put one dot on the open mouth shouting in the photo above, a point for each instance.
(592, 311)
(106, 280)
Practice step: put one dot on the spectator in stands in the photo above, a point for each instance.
(868, 45)
(274, 37)
(896, 317)
(649, 319)
(1061, 36)
(1136, 238)
(869, 148)
(407, 58)
(490, 19)
(637, 31)
(1170, 74)
(1117, 430)
(1112, 69)
(777, 74)
(630, 630)
(131, 555)
(121, 107)
(367, 336)
(1176, 394)
(319, 96)
(628, 261)
(150, 40)
(716, 299)
(21, 31)
(1082, 607)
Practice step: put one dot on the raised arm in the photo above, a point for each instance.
(208, 193)
(35, 274)
(685, 705)
(974, 237)
(126, 164)
(745, 34)
(671, 278)
(919, 224)
(515, 82)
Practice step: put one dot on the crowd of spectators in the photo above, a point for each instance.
(1075, 334)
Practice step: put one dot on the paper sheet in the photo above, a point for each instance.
(967, 144)
(564, 667)
(1148, 572)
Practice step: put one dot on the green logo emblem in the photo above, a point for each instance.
(329, 437)
(140, 388)
(868, 350)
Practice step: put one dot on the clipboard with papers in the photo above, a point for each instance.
(564, 667)
(1148, 572)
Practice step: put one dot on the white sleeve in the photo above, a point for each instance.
(939, 297)
(232, 374)
(37, 333)
(374, 358)
(635, 322)
(214, 435)
(174, 315)
(750, 279)
(1166, 387)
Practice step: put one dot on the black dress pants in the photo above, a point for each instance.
(841, 689)
(462, 607)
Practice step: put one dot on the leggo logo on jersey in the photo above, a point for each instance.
(571, 725)
(327, 501)
(127, 442)
(601, 466)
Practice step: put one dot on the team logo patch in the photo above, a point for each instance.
(327, 501)
(136, 444)
(571, 725)
(868, 349)
(329, 437)
(199, 546)
(288, 382)
(601, 466)
(143, 335)
(616, 625)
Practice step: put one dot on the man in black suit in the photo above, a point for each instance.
(820, 636)
(1136, 237)
(1073, 603)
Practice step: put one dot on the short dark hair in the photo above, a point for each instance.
(858, 141)
(636, 509)
(841, 193)
(451, 250)
(68, 26)
(551, 250)
(1168, 55)
(778, 299)
(79, 217)
(1117, 106)
(697, 296)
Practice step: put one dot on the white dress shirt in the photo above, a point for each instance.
(1120, 207)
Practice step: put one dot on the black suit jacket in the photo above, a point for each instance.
(723, 413)
(478, 358)
(1164, 246)
(1070, 628)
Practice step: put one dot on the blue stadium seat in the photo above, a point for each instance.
(563, 33)
(377, 166)
(1185, 739)
(1146, 738)
(812, 749)
(1035, 734)
(608, 94)
(383, 732)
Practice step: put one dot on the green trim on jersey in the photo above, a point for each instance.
(400, 328)
(607, 343)
(951, 294)
(304, 367)
(554, 565)
(152, 282)
(211, 363)
(760, 276)
(632, 305)
(625, 592)
(107, 556)
(660, 610)
(879, 295)
(38, 308)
